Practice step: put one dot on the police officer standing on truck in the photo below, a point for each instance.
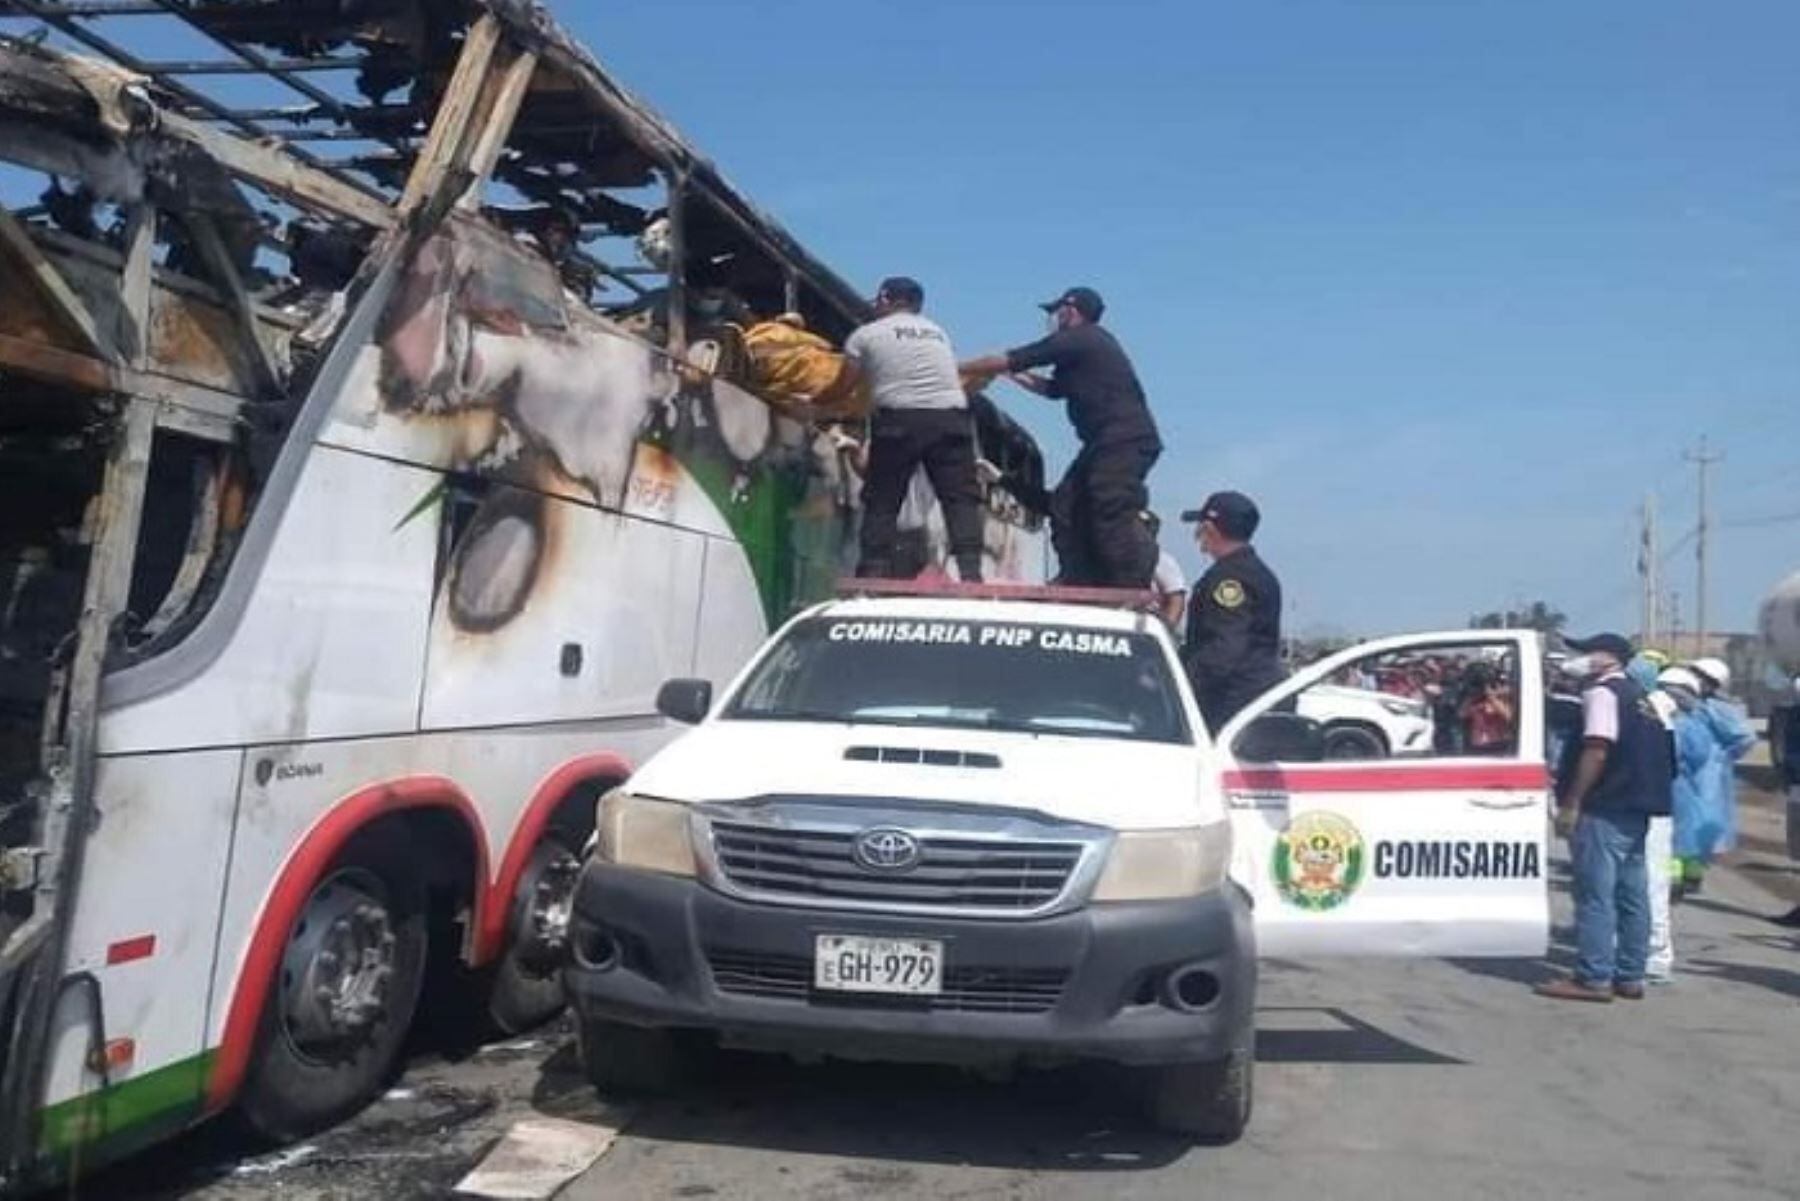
(1096, 512)
(1233, 646)
(921, 418)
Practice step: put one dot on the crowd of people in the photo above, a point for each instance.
(1473, 702)
(1644, 761)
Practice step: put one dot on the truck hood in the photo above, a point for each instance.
(1121, 785)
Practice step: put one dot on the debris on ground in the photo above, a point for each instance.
(536, 1158)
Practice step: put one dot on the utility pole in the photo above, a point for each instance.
(1704, 461)
(1674, 620)
(1650, 621)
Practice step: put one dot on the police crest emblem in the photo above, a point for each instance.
(1319, 861)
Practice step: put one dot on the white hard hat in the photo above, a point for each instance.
(1679, 677)
(1714, 670)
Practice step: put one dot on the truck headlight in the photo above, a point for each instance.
(649, 835)
(1164, 865)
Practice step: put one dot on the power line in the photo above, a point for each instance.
(1679, 545)
(1745, 523)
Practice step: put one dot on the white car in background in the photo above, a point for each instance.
(1361, 723)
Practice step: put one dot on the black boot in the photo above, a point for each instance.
(1790, 919)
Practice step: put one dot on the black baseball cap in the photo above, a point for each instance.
(903, 288)
(1085, 301)
(1616, 645)
(1235, 514)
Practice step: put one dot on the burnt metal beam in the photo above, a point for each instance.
(447, 147)
(137, 279)
(188, 407)
(41, 275)
(356, 114)
(275, 67)
(509, 88)
(96, 8)
(226, 278)
(308, 183)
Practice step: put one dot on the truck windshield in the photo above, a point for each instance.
(1038, 679)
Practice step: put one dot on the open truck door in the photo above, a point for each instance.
(1393, 800)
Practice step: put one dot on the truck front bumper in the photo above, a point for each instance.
(1144, 983)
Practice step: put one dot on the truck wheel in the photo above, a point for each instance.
(527, 983)
(1209, 1101)
(631, 1059)
(1354, 742)
(344, 994)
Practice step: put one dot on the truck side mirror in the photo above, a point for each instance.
(684, 700)
(1281, 738)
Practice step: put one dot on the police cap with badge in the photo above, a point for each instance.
(1236, 516)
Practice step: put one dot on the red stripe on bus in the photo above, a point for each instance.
(303, 869)
(546, 798)
(322, 844)
(130, 949)
(1392, 777)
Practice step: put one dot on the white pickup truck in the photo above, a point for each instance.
(977, 830)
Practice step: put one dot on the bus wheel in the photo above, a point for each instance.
(334, 1024)
(527, 984)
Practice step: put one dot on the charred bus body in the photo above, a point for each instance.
(369, 450)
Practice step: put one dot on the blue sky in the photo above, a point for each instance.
(1446, 286)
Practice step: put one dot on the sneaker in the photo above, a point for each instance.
(1790, 919)
(1570, 989)
(1629, 990)
(1659, 979)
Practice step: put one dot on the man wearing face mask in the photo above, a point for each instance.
(1615, 780)
(1096, 521)
(1233, 647)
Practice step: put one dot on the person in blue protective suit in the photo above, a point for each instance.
(1735, 737)
(1697, 799)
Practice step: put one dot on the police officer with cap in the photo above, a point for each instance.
(1233, 646)
(921, 419)
(1096, 512)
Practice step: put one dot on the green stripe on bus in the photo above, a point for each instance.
(171, 1093)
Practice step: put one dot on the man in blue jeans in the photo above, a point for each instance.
(1610, 785)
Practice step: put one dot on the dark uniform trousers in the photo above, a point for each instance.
(900, 441)
(1096, 522)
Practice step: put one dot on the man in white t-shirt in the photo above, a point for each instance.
(921, 419)
(1169, 581)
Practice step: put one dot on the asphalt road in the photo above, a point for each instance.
(1382, 1082)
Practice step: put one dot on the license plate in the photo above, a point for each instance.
(853, 963)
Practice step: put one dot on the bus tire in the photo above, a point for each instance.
(344, 994)
(526, 988)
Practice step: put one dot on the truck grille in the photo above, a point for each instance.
(966, 989)
(952, 873)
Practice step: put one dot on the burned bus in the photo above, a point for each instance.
(384, 414)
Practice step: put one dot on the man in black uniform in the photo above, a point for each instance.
(1095, 513)
(1233, 647)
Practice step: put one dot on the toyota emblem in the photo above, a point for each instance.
(885, 849)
